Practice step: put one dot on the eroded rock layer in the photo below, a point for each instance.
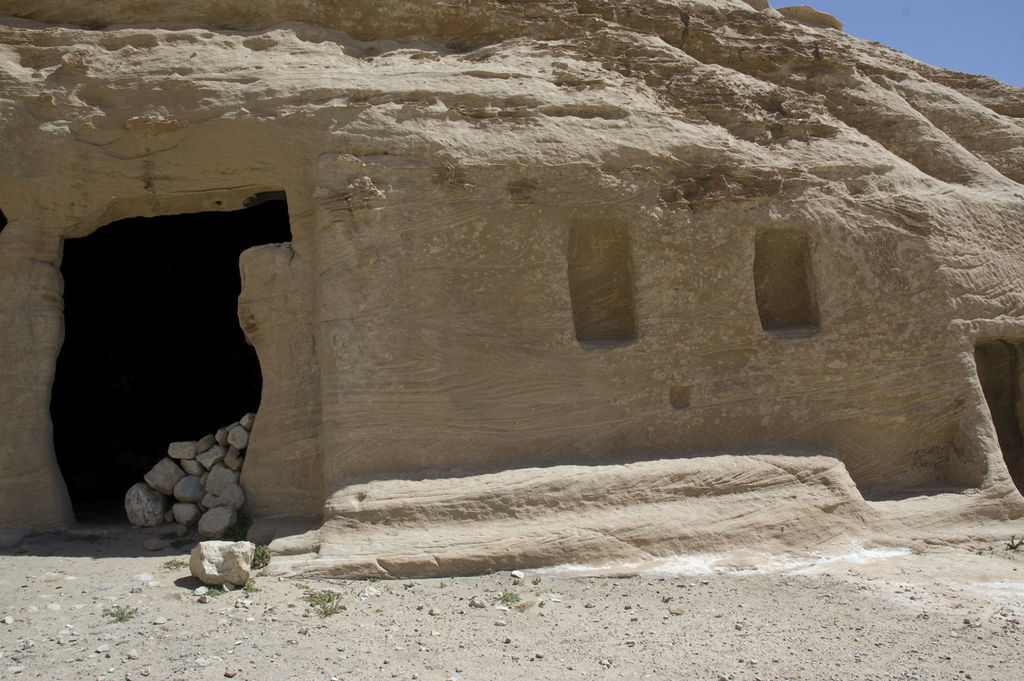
(568, 281)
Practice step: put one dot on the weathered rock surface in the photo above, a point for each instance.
(741, 261)
(215, 521)
(220, 477)
(192, 467)
(205, 443)
(238, 437)
(196, 491)
(811, 17)
(211, 456)
(220, 562)
(164, 476)
(232, 495)
(182, 450)
(145, 506)
(186, 514)
(189, 489)
(155, 544)
(221, 436)
(233, 459)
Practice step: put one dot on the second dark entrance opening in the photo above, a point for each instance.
(153, 351)
(999, 371)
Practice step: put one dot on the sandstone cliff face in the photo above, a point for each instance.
(568, 280)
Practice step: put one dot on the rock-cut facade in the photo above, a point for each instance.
(569, 281)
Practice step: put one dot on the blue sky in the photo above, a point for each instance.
(977, 36)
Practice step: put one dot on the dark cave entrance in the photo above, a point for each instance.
(999, 371)
(153, 351)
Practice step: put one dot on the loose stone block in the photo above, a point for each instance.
(205, 443)
(211, 456)
(192, 467)
(214, 522)
(232, 496)
(164, 476)
(181, 450)
(220, 562)
(239, 437)
(222, 434)
(155, 544)
(186, 514)
(220, 477)
(234, 459)
(144, 505)
(189, 489)
(247, 421)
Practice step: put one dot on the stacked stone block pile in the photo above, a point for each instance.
(196, 484)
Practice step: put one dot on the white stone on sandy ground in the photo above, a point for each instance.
(220, 562)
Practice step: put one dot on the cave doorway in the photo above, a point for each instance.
(153, 351)
(999, 371)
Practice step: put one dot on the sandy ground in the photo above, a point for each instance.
(936, 613)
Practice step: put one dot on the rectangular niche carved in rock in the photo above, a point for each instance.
(998, 365)
(783, 283)
(601, 283)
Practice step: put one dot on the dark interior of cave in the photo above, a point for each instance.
(153, 352)
(999, 371)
